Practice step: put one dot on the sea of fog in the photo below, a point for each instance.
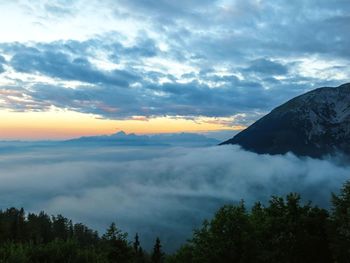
(155, 191)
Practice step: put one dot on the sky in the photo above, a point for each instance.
(73, 68)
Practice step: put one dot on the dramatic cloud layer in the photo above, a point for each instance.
(120, 59)
(154, 190)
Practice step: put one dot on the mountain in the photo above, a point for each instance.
(117, 138)
(172, 139)
(314, 124)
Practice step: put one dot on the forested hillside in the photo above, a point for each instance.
(41, 238)
(284, 230)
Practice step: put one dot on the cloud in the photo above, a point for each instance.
(268, 67)
(190, 59)
(145, 47)
(60, 65)
(2, 62)
(173, 99)
(155, 191)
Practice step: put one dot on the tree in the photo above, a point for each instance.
(139, 255)
(295, 232)
(341, 224)
(60, 227)
(157, 255)
(116, 245)
(136, 244)
(183, 255)
(226, 238)
(284, 231)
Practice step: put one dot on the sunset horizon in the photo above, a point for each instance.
(60, 125)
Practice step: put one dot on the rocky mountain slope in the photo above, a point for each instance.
(314, 124)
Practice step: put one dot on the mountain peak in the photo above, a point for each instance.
(314, 124)
(119, 133)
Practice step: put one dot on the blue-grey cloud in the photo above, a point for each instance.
(145, 47)
(59, 8)
(192, 99)
(60, 65)
(240, 57)
(2, 62)
(267, 67)
(243, 28)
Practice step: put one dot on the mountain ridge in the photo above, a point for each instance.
(172, 139)
(315, 124)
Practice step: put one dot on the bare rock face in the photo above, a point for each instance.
(314, 124)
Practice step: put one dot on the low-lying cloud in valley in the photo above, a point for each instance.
(155, 191)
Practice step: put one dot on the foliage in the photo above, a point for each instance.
(283, 231)
(157, 255)
(341, 224)
(41, 238)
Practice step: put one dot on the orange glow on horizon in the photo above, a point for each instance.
(60, 124)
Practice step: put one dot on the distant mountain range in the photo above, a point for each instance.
(121, 138)
(314, 124)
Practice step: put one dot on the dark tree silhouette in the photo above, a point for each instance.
(157, 255)
(341, 224)
(136, 244)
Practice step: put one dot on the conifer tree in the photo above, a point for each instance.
(341, 224)
(136, 244)
(158, 255)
